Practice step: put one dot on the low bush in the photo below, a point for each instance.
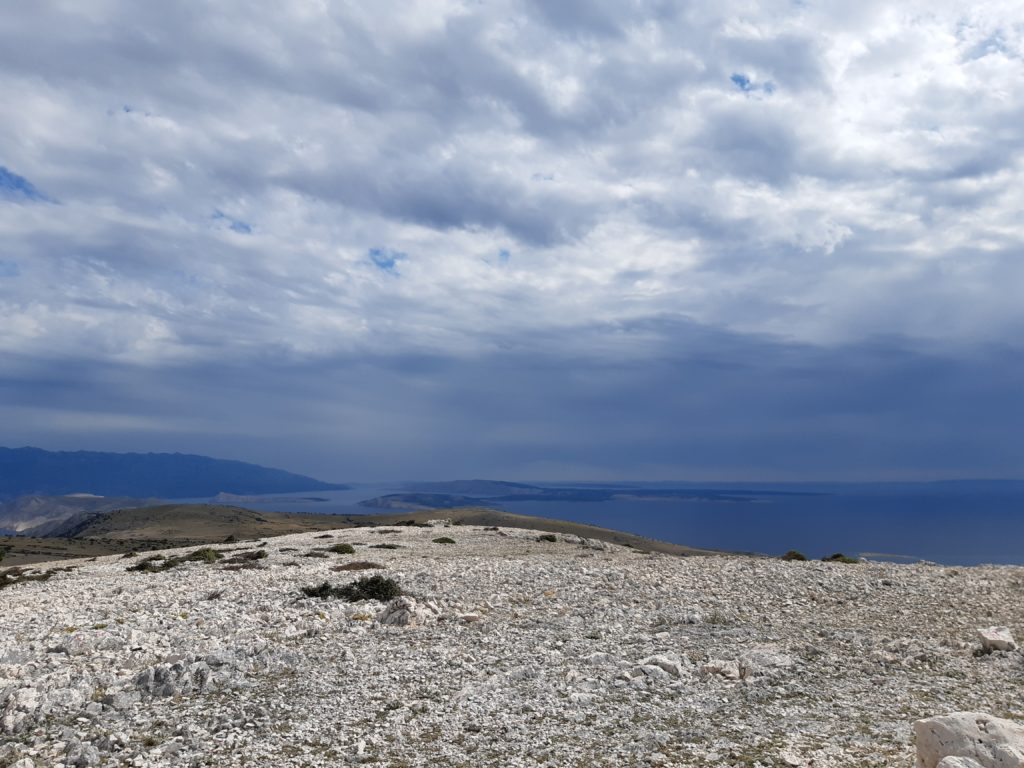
(357, 565)
(839, 557)
(17, 575)
(444, 540)
(413, 523)
(385, 546)
(368, 588)
(342, 549)
(247, 557)
(159, 563)
(794, 555)
(547, 537)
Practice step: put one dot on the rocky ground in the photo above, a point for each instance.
(521, 652)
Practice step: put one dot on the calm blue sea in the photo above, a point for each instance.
(946, 525)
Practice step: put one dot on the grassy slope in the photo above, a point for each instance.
(190, 524)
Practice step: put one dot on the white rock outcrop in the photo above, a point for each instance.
(996, 639)
(406, 612)
(990, 742)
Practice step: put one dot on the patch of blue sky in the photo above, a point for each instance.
(504, 255)
(235, 225)
(745, 84)
(9, 269)
(385, 259)
(13, 185)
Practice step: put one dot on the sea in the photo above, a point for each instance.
(964, 523)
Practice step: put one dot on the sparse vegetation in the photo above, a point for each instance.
(839, 557)
(413, 523)
(794, 555)
(547, 537)
(16, 575)
(315, 553)
(385, 546)
(342, 549)
(358, 565)
(444, 540)
(247, 557)
(158, 563)
(368, 588)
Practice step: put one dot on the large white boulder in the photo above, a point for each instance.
(406, 612)
(996, 639)
(990, 742)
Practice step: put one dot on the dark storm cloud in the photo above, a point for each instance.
(713, 403)
(448, 237)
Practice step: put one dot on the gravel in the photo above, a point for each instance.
(505, 650)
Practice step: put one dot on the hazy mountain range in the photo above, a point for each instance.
(141, 475)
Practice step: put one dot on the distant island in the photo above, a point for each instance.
(26, 471)
(492, 493)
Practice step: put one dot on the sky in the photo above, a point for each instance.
(584, 239)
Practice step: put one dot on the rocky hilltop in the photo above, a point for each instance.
(507, 648)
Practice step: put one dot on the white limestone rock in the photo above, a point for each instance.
(996, 639)
(958, 762)
(669, 663)
(404, 611)
(989, 741)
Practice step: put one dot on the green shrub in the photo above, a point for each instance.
(342, 549)
(159, 563)
(368, 588)
(323, 591)
(794, 555)
(385, 546)
(839, 557)
(547, 537)
(248, 557)
(374, 587)
(204, 555)
(444, 540)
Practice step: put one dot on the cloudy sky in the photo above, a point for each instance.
(524, 239)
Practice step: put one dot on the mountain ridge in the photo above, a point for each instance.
(29, 470)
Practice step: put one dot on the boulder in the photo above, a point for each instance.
(996, 639)
(670, 663)
(990, 742)
(406, 612)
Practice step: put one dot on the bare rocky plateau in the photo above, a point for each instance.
(508, 651)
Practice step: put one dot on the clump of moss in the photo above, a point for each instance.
(839, 557)
(368, 588)
(794, 555)
(342, 549)
(444, 540)
(547, 537)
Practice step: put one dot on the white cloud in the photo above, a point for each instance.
(573, 180)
